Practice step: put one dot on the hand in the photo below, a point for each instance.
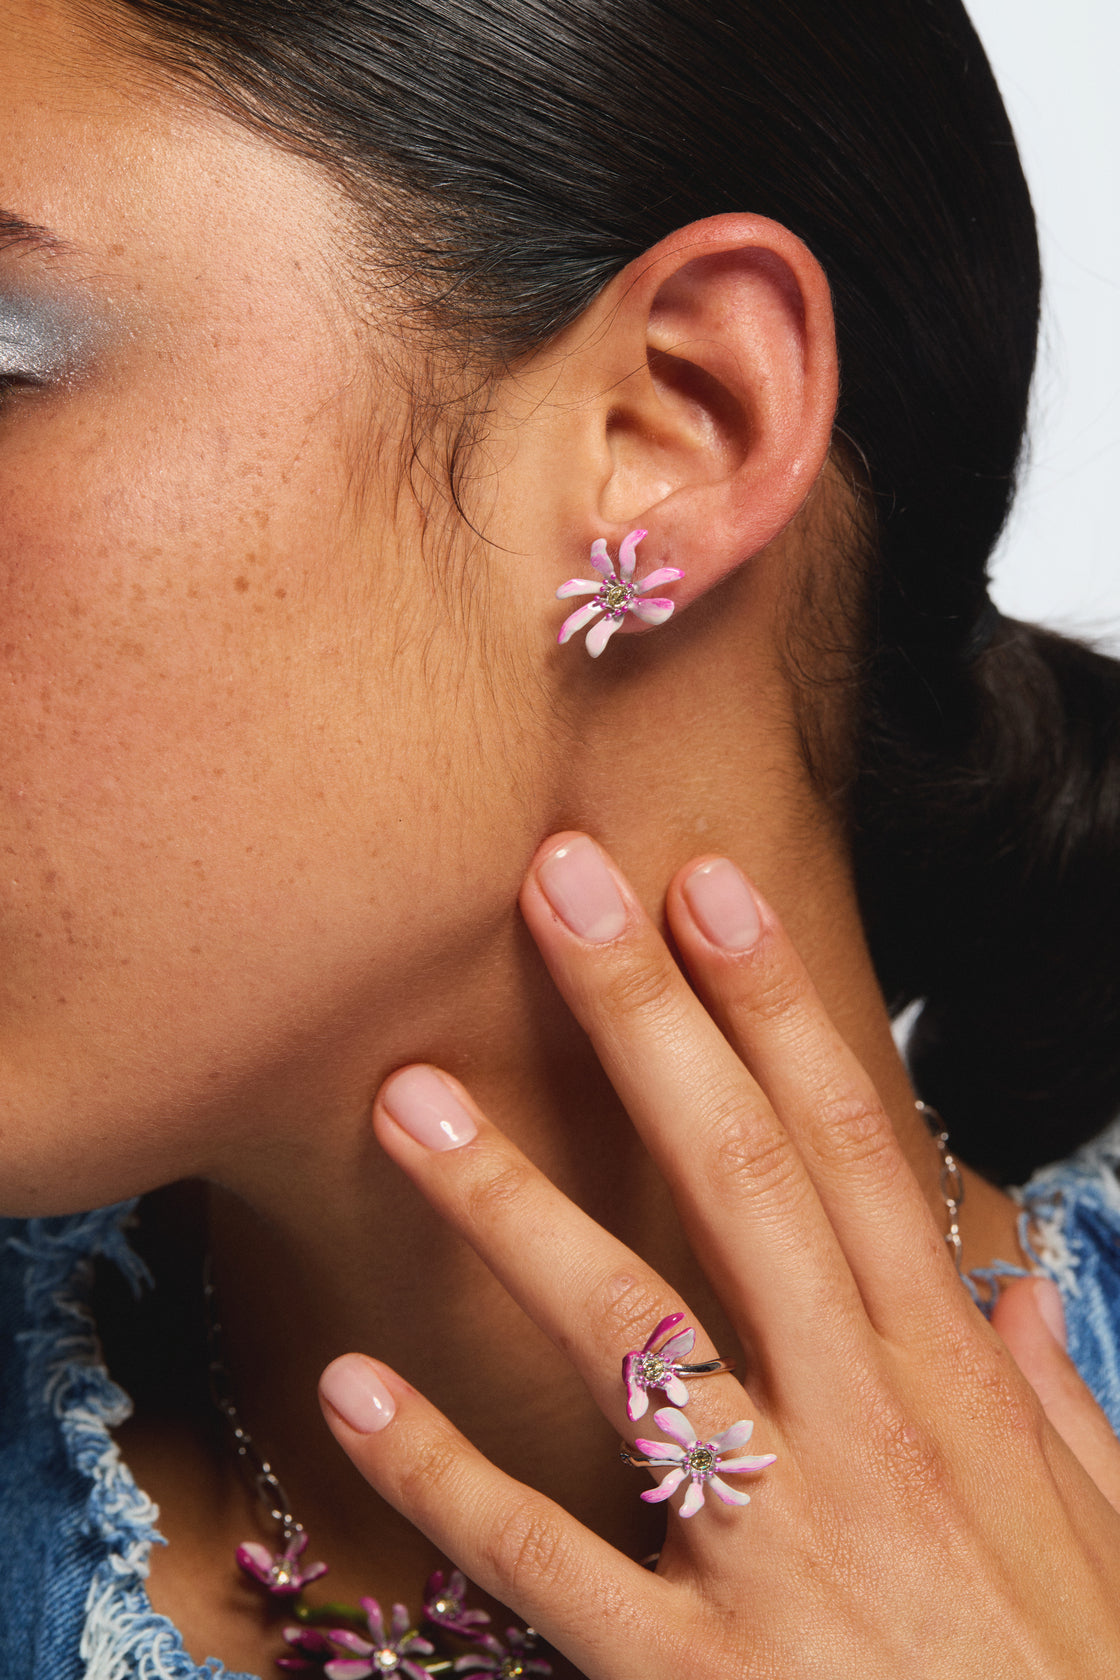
(923, 1518)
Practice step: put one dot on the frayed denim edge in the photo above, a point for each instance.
(123, 1637)
(1042, 1222)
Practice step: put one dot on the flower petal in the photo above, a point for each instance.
(662, 1452)
(637, 1400)
(746, 1466)
(306, 1638)
(576, 621)
(654, 1496)
(729, 1495)
(376, 1622)
(654, 611)
(344, 1640)
(600, 634)
(663, 1329)
(663, 574)
(676, 1426)
(600, 559)
(255, 1559)
(676, 1391)
(735, 1435)
(347, 1668)
(578, 586)
(626, 555)
(693, 1499)
(677, 1346)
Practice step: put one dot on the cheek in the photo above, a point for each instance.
(241, 776)
(150, 606)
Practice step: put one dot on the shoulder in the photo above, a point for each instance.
(1070, 1228)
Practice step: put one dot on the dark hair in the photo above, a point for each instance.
(526, 151)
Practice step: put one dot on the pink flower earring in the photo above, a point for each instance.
(616, 594)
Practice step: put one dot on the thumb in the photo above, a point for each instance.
(1030, 1319)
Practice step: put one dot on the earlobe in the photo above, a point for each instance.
(716, 441)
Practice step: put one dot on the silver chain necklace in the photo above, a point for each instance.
(263, 1478)
(951, 1183)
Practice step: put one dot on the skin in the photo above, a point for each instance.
(281, 742)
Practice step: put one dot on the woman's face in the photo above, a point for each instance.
(238, 715)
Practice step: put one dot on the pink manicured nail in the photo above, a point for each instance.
(1048, 1300)
(427, 1108)
(351, 1386)
(582, 891)
(723, 905)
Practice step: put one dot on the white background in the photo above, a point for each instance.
(1057, 64)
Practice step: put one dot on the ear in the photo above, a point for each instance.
(709, 381)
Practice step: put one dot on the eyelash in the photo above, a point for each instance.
(16, 382)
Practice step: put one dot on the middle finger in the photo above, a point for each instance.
(745, 1197)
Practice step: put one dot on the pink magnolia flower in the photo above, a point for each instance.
(387, 1651)
(503, 1662)
(444, 1604)
(616, 594)
(281, 1572)
(651, 1367)
(700, 1462)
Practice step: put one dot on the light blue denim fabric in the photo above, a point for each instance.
(77, 1531)
(1070, 1228)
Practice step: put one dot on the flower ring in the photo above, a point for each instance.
(616, 594)
(701, 1463)
(660, 1367)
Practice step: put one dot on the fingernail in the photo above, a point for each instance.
(582, 891)
(426, 1107)
(1048, 1299)
(723, 905)
(351, 1386)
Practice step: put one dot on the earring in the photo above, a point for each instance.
(616, 594)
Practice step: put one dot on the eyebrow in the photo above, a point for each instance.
(19, 234)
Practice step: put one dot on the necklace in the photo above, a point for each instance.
(350, 1641)
(950, 1182)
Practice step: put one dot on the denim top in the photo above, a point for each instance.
(77, 1531)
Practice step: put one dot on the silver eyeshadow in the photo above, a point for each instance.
(41, 339)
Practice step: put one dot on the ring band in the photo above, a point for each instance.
(709, 1368)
